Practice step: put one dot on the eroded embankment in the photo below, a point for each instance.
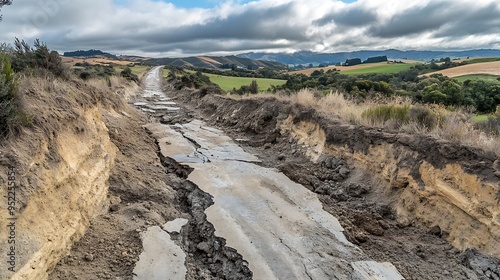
(404, 181)
(62, 165)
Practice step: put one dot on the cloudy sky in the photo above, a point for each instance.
(181, 28)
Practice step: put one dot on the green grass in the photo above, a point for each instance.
(228, 83)
(386, 68)
(138, 70)
(476, 77)
(480, 118)
(482, 60)
(387, 112)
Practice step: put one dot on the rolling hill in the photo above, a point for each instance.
(214, 62)
(194, 61)
(307, 57)
(90, 53)
(486, 68)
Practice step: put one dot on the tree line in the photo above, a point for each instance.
(483, 95)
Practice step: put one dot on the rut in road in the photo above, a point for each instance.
(277, 225)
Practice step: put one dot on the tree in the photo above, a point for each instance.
(453, 90)
(39, 57)
(433, 94)
(4, 3)
(9, 105)
(485, 94)
(354, 61)
(317, 73)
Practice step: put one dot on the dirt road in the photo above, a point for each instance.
(277, 225)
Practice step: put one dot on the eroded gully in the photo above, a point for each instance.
(278, 226)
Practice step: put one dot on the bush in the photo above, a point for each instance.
(254, 87)
(189, 80)
(25, 58)
(424, 116)
(85, 75)
(11, 115)
(491, 126)
(388, 112)
(127, 74)
(399, 115)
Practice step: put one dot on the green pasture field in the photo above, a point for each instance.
(476, 77)
(228, 83)
(382, 69)
(482, 60)
(138, 70)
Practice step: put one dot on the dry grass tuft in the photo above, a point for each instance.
(305, 97)
(430, 120)
(51, 102)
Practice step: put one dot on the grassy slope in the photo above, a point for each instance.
(385, 68)
(476, 77)
(138, 70)
(381, 67)
(477, 66)
(228, 83)
(482, 60)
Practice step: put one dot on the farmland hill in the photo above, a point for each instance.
(215, 62)
(101, 54)
(307, 57)
(90, 53)
(195, 61)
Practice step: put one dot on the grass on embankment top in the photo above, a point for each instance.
(382, 69)
(476, 77)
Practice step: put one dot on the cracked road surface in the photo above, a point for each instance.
(278, 226)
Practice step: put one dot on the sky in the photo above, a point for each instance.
(161, 28)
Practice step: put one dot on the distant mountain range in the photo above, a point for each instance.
(215, 62)
(255, 60)
(307, 57)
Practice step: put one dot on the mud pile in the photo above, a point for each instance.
(421, 203)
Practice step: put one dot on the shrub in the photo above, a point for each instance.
(26, 58)
(127, 74)
(424, 116)
(254, 87)
(491, 126)
(10, 109)
(384, 113)
(188, 80)
(85, 75)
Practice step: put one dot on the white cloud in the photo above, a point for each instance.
(157, 28)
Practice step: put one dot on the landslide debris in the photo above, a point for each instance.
(146, 189)
(208, 257)
(365, 204)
